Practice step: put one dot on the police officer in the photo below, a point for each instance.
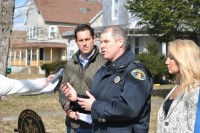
(119, 99)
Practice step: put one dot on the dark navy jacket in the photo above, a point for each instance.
(123, 95)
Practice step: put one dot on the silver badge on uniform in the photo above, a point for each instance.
(117, 79)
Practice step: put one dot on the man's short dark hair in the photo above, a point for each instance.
(84, 27)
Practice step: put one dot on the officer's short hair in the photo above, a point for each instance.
(117, 31)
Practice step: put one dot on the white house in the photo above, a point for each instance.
(115, 13)
(46, 20)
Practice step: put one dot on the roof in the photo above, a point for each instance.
(70, 33)
(64, 29)
(68, 11)
(41, 45)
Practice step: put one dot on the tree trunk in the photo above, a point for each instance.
(6, 22)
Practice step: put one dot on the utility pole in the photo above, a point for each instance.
(6, 22)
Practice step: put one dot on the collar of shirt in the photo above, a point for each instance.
(85, 61)
(121, 62)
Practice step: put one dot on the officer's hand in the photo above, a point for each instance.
(69, 91)
(86, 103)
(73, 115)
(77, 115)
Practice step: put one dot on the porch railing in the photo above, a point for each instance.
(28, 63)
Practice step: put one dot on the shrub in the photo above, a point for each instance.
(154, 62)
(52, 67)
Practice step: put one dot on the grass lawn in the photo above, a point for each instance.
(46, 106)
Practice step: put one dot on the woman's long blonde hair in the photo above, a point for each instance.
(187, 55)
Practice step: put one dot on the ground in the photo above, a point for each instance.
(50, 111)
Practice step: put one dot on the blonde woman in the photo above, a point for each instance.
(177, 114)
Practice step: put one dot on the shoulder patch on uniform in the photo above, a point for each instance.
(138, 74)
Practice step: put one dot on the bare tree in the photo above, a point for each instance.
(6, 22)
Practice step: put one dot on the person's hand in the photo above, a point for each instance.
(67, 107)
(48, 79)
(73, 115)
(77, 115)
(69, 92)
(86, 103)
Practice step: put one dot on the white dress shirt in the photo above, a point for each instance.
(13, 86)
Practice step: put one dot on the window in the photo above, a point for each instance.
(137, 46)
(52, 32)
(72, 44)
(115, 9)
(71, 52)
(33, 32)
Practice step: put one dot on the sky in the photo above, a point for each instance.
(19, 14)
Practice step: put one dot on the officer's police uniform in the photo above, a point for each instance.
(122, 90)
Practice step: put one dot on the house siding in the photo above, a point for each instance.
(122, 17)
(127, 21)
